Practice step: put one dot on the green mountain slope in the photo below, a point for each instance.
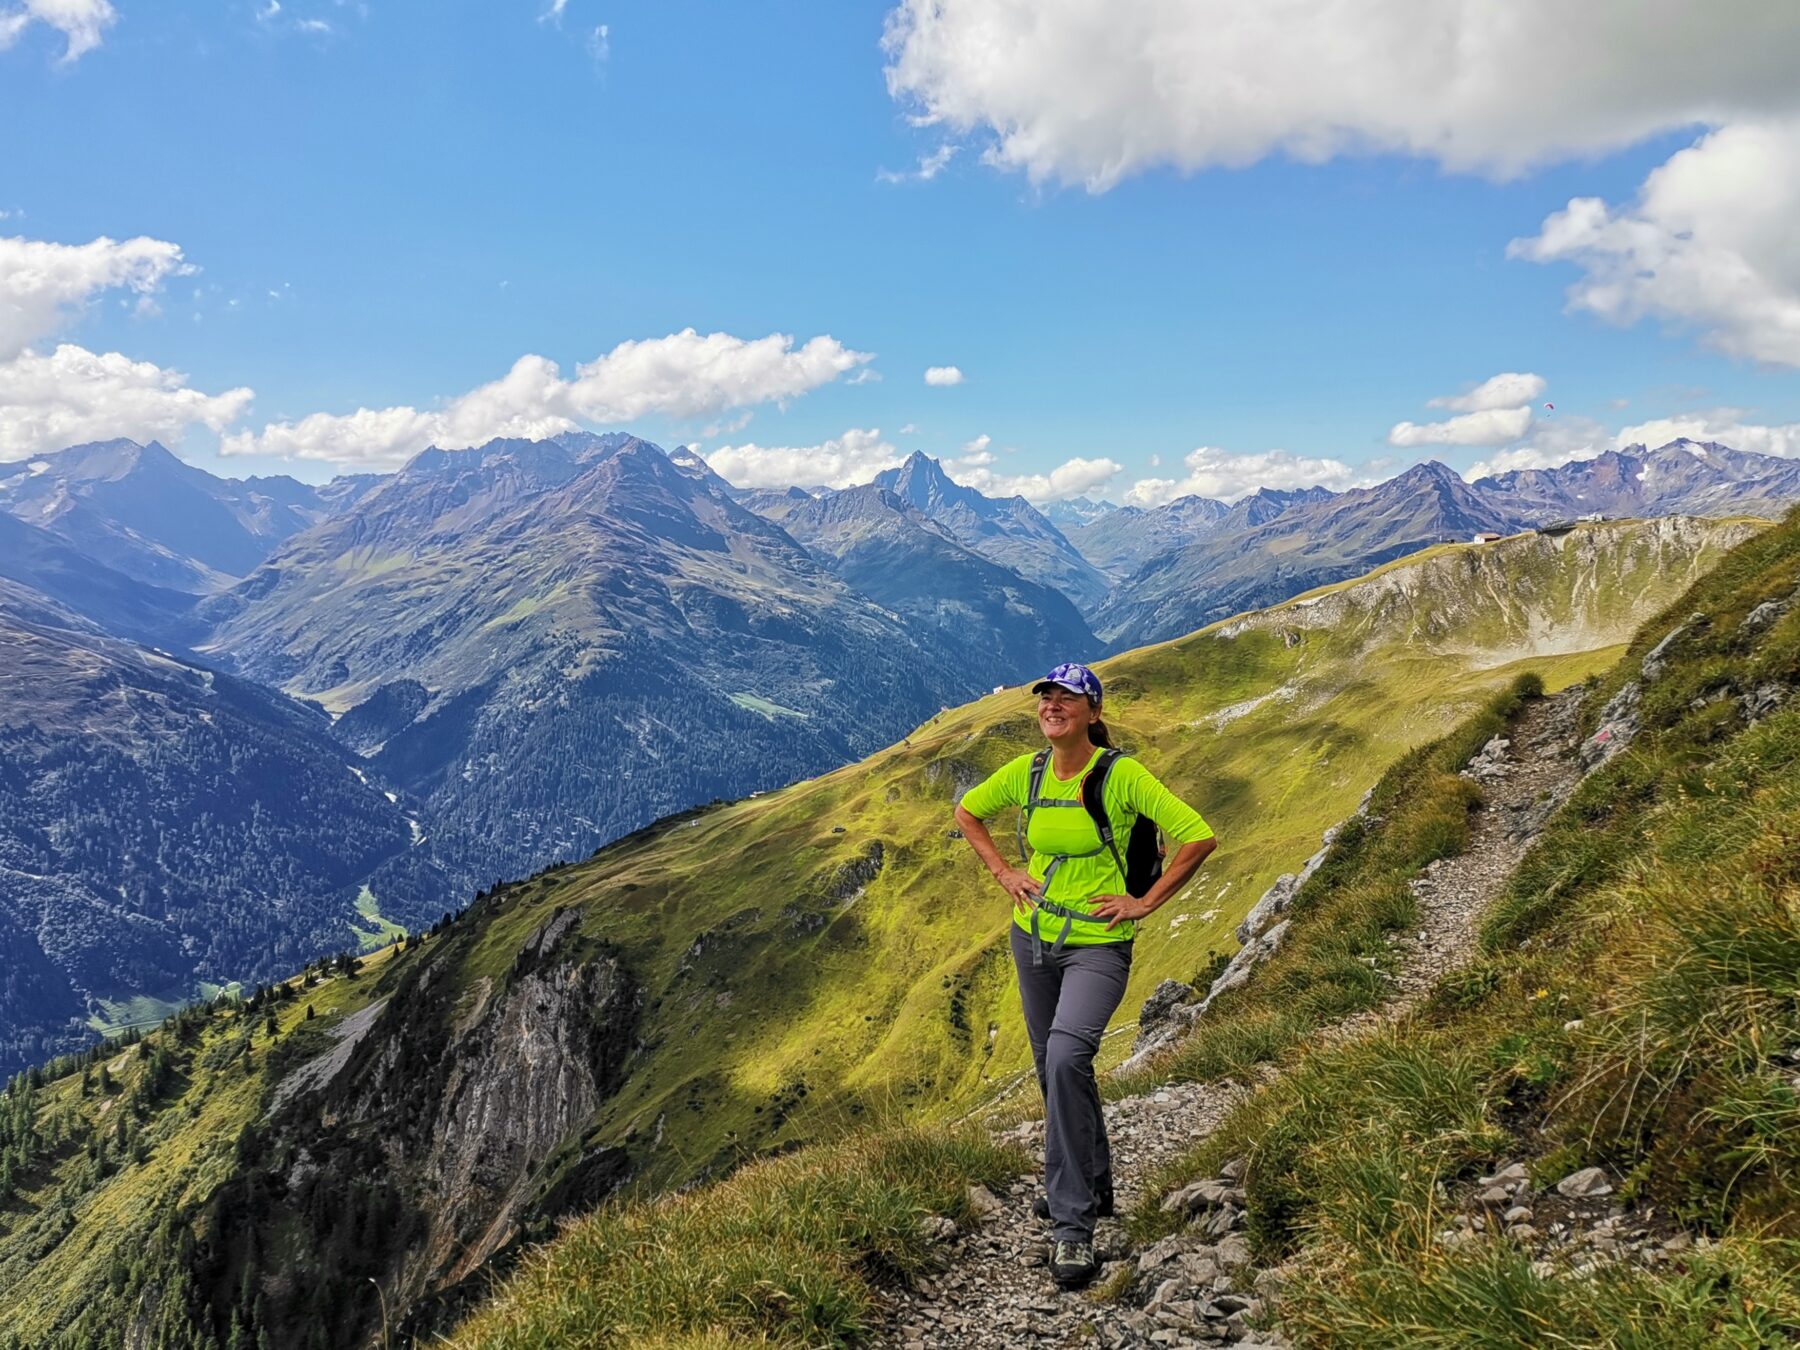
(774, 970)
(1634, 1008)
(163, 826)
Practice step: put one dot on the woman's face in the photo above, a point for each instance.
(1063, 712)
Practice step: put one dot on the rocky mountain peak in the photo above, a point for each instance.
(921, 480)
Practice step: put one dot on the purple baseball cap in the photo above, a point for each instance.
(1074, 677)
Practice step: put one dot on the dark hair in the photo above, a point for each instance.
(1097, 732)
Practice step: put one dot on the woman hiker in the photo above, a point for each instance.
(1073, 924)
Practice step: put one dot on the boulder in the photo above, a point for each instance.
(1657, 660)
(1161, 1002)
(1588, 1182)
(1618, 727)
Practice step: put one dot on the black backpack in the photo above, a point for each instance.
(1142, 861)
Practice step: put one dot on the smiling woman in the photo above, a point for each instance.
(1079, 797)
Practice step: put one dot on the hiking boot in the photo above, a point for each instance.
(1103, 1197)
(1073, 1264)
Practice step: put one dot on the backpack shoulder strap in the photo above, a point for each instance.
(1093, 797)
(1039, 762)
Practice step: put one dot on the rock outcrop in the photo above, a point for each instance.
(442, 1126)
(1167, 1014)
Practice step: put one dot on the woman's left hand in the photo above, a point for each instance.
(1119, 909)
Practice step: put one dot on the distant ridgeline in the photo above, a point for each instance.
(266, 720)
(396, 1128)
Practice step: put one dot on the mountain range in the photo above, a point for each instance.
(1007, 530)
(140, 510)
(517, 642)
(523, 636)
(999, 622)
(1271, 544)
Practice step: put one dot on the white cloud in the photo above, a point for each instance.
(1725, 425)
(855, 457)
(1709, 244)
(73, 395)
(1506, 390)
(930, 166)
(940, 377)
(1072, 478)
(908, 429)
(1213, 472)
(599, 43)
(44, 285)
(52, 399)
(317, 27)
(729, 426)
(82, 22)
(1495, 426)
(554, 13)
(1555, 441)
(683, 375)
(1073, 91)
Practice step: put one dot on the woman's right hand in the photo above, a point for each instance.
(1020, 885)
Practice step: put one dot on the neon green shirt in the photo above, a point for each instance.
(1131, 791)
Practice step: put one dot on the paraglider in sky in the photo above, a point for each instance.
(1551, 406)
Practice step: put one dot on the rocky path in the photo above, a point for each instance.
(994, 1291)
(1523, 779)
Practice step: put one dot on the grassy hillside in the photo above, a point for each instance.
(1635, 1007)
(825, 957)
(107, 1178)
(804, 979)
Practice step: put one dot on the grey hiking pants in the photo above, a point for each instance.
(1068, 1001)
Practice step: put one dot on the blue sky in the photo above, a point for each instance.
(389, 204)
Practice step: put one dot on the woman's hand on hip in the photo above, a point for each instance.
(1020, 885)
(1118, 909)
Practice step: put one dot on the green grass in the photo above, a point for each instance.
(1337, 959)
(143, 1011)
(526, 606)
(1742, 1293)
(382, 930)
(787, 1252)
(1635, 1005)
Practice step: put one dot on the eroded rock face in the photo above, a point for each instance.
(450, 1106)
(532, 1071)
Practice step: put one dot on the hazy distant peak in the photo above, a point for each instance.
(1430, 471)
(688, 463)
